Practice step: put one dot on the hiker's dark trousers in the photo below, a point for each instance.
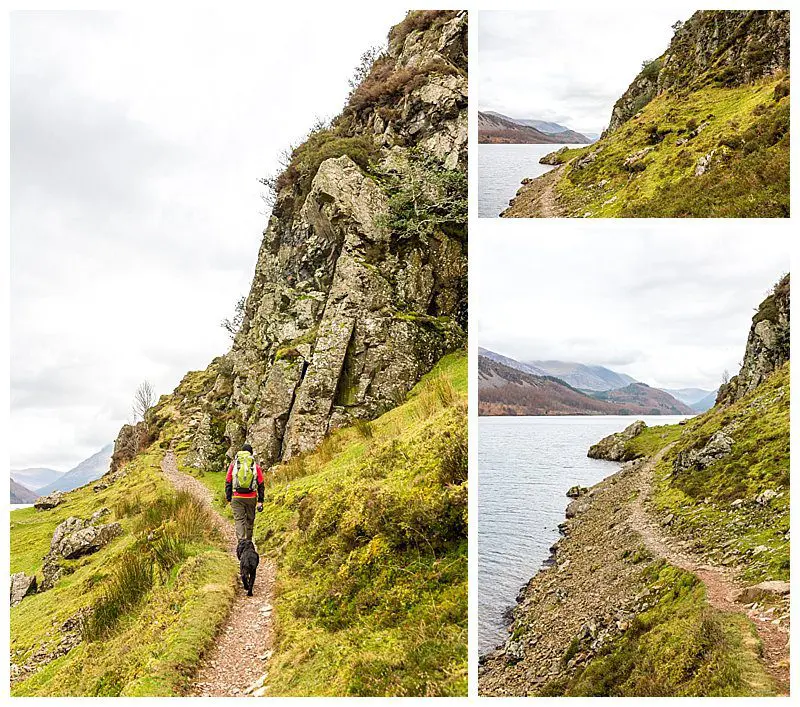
(244, 515)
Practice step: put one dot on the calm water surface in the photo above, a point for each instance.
(501, 169)
(525, 467)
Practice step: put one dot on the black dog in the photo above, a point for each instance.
(248, 561)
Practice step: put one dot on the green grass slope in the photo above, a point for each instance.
(678, 647)
(747, 129)
(717, 506)
(369, 534)
(159, 592)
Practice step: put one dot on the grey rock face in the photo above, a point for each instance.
(75, 537)
(586, 160)
(767, 345)
(765, 497)
(703, 163)
(577, 507)
(612, 448)
(67, 527)
(346, 312)
(717, 447)
(45, 503)
(130, 441)
(52, 571)
(98, 515)
(21, 586)
(553, 158)
(87, 540)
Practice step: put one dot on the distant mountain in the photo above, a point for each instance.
(584, 377)
(36, 477)
(544, 126)
(87, 471)
(689, 395)
(505, 390)
(510, 362)
(21, 494)
(641, 399)
(498, 128)
(705, 403)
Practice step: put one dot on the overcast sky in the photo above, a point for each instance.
(669, 303)
(568, 66)
(136, 147)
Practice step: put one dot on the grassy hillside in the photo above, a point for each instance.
(718, 507)
(159, 592)
(679, 645)
(369, 536)
(646, 168)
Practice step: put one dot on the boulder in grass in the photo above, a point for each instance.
(86, 540)
(21, 586)
(45, 503)
(763, 590)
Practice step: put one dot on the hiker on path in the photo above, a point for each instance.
(244, 490)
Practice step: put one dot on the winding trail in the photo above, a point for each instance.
(721, 583)
(537, 198)
(240, 653)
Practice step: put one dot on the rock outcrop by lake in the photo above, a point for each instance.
(670, 551)
(612, 448)
(702, 131)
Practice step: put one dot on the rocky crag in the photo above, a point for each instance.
(767, 345)
(733, 47)
(672, 575)
(703, 130)
(361, 280)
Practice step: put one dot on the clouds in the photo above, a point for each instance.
(136, 217)
(668, 304)
(567, 66)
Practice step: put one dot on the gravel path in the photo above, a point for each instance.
(537, 198)
(236, 665)
(721, 584)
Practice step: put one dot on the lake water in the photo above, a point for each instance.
(501, 169)
(526, 465)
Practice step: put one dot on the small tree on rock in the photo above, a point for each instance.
(233, 324)
(143, 400)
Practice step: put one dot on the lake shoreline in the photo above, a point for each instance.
(503, 167)
(523, 501)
